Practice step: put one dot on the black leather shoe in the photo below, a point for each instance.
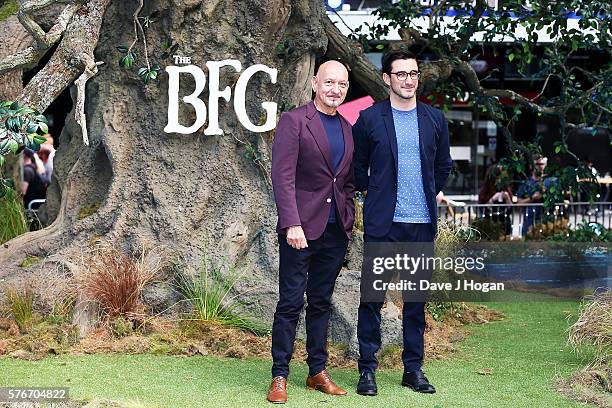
(418, 382)
(367, 384)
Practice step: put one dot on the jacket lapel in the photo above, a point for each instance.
(387, 115)
(316, 128)
(423, 131)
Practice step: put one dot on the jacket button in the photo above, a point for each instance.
(328, 200)
(334, 179)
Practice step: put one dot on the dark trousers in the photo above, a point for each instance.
(312, 270)
(413, 314)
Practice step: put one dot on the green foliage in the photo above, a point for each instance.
(21, 306)
(8, 9)
(285, 48)
(30, 260)
(577, 95)
(127, 61)
(252, 153)
(12, 216)
(121, 326)
(585, 232)
(149, 74)
(440, 310)
(490, 230)
(23, 127)
(169, 48)
(209, 290)
(88, 210)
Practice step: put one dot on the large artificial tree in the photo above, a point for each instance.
(119, 178)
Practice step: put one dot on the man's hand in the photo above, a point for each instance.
(296, 237)
(537, 196)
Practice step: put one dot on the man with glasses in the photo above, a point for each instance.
(402, 160)
(313, 182)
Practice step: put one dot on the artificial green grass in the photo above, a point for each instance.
(525, 353)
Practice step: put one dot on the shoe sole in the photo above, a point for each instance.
(320, 390)
(368, 393)
(415, 390)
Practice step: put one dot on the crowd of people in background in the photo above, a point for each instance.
(37, 173)
(496, 190)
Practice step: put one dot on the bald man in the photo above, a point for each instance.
(312, 177)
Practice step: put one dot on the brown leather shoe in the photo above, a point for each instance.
(277, 393)
(324, 383)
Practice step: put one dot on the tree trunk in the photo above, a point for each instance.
(147, 187)
(14, 38)
(135, 185)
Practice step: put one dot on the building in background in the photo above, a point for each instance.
(476, 142)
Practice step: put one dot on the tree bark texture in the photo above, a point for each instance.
(135, 185)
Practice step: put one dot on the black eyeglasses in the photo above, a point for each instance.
(403, 75)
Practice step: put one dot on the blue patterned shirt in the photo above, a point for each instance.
(411, 206)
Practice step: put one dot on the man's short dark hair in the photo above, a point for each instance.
(394, 55)
(28, 153)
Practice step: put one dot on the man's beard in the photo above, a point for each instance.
(399, 93)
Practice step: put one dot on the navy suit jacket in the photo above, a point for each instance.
(303, 176)
(376, 163)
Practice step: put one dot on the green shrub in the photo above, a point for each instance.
(593, 329)
(585, 232)
(12, 216)
(210, 294)
(21, 306)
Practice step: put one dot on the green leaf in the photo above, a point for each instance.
(128, 60)
(574, 45)
(13, 146)
(32, 128)
(558, 149)
(122, 49)
(511, 57)
(152, 74)
(2, 160)
(25, 111)
(142, 71)
(43, 127)
(39, 139)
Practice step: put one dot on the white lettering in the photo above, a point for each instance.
(240, 99)
(214, 93)
(173, 94)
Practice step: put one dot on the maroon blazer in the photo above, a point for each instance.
(303, 177)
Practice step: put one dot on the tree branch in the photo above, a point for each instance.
(91, 69)
(472, 25)
(31, 55)
(33, 28)
(82, 33)
(22, 59)
(29, 6)
(136, 13)
(55, 33)
(351, 53)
